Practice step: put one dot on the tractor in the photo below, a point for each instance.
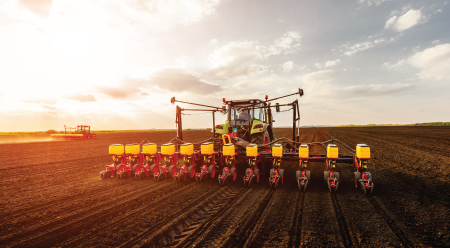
(81, 132)
(249, 124)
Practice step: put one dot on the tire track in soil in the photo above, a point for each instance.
(395, 229)
(295, 235)
(237, 225)
(45, 234)
(347, 235)
(25, 214)
(276, 219)
(128, 219)
(188, 222)
(65, 197)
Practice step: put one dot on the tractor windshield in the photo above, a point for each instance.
(258, 113)
(239, 115)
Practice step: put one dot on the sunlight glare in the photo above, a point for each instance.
(71, 43)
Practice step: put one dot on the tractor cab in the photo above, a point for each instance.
(83, 129)
(247, 119)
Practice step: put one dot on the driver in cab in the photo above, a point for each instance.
(244, 115)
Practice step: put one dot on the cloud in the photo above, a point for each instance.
(170, 79)
(236, 59)
(118, 92)
(38, 7)
(288, 66)
(396, 65)
(165, 12)
(178, 80)
(240, 59)
(370, 2)
(350, 50)
(377, 89)
(53, 108)
(434, 62)
(332, 62)
(406, 21)
(38, 100)
(265, 81)
(80, 97)
(320, 76)
(289, 43)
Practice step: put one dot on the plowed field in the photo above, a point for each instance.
(51, 195)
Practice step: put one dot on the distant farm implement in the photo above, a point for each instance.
(80, 132)
(245, 139)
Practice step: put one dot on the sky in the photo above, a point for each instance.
(115, 64)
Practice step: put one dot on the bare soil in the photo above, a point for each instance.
(52, 196)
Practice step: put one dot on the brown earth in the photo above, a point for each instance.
(52, 196)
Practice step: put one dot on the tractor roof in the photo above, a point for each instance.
(244, 102)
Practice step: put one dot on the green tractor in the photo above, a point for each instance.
(250, 120)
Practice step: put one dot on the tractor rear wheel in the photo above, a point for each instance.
(261, 138)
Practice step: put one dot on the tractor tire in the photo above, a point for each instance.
(260, 138)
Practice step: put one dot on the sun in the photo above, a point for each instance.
(71, 43)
